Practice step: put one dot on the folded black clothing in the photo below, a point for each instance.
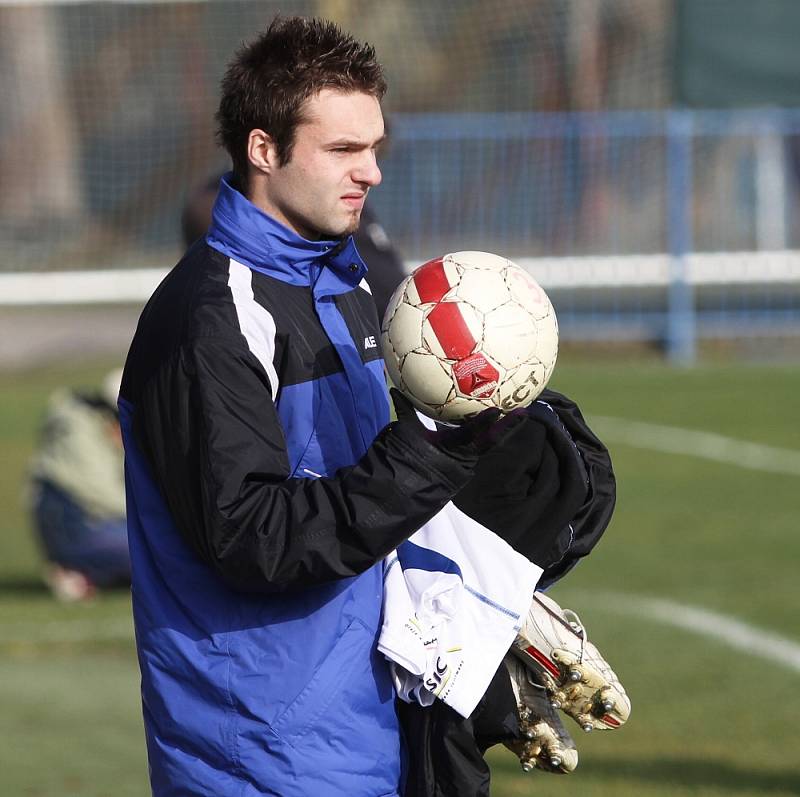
(594, 514)
(445, 750)
(548, 490)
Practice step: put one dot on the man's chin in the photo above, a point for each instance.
(342, 232)
(352, 228)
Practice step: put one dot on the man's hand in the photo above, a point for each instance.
(472, 437)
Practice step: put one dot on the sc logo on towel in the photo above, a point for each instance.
(436, 680)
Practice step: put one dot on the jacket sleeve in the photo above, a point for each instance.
(210, 430)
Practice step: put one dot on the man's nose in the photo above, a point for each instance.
(368, 171)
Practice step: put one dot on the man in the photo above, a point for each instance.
(550, 499)
(78, 492)
(265, 484)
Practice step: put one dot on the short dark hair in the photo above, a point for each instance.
(270, 78)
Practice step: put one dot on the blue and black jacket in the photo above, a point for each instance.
(265, 485)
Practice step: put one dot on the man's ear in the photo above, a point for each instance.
(262, 151)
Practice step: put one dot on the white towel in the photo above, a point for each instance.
(455, 595)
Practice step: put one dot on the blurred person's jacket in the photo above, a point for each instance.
(77, 492)
(385, 265)
(80, 454)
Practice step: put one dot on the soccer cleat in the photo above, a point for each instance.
(545, 744)
(577, 679)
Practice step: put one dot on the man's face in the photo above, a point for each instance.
(320, 192)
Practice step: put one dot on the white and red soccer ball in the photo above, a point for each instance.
(468, 331)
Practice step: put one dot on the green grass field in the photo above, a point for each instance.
(708, 718)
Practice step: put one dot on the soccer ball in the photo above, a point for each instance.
(468, 331)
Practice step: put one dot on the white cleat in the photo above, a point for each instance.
(546, 744)
(577, 679)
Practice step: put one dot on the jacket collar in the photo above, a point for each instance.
(245, 233)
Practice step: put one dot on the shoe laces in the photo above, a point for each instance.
(531, 679)
(577, 626)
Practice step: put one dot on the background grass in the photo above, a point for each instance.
(707, 720)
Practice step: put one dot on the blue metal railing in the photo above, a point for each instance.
(619, 183)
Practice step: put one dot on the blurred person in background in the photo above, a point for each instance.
(196, 211)
(386, 267)
(77, 490)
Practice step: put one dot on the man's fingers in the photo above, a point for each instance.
(484, 420)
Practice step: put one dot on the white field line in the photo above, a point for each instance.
(66, 631)
(705, 445)
(703, 622)
(711, 625)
